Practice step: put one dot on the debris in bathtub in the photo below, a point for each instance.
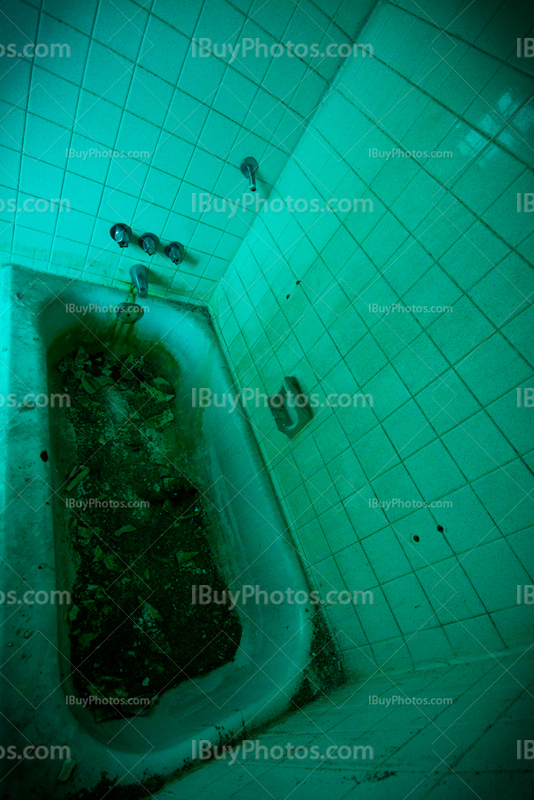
(170, 506)
(161, 391)
(159, 420)
(90, 384)
(125, 529)
(43, 456)
(66, 770)
(76, 476)
(138, 537)
(67, 363)
(81, 358)
(84, 535)
(184, 559)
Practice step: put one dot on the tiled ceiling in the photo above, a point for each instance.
(133, 83)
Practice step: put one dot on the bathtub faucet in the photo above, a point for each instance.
(139, 276)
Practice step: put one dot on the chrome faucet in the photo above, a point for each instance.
(139, 276)
(249, 167)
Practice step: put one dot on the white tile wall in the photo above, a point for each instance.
(445, 428)
(131, 82)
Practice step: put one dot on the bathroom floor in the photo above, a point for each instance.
(441, 750)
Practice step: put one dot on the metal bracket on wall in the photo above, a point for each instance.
(290, 408)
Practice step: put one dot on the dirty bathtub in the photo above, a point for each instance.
(249, 543)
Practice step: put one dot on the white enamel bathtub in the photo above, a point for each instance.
(249, 544)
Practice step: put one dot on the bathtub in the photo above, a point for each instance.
(248, 538)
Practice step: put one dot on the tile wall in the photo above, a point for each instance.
(416, 300)
(126, 77)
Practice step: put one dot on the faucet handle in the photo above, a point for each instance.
(149, 242)
(175, 251)
(121, 234)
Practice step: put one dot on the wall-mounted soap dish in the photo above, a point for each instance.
(290, 408)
